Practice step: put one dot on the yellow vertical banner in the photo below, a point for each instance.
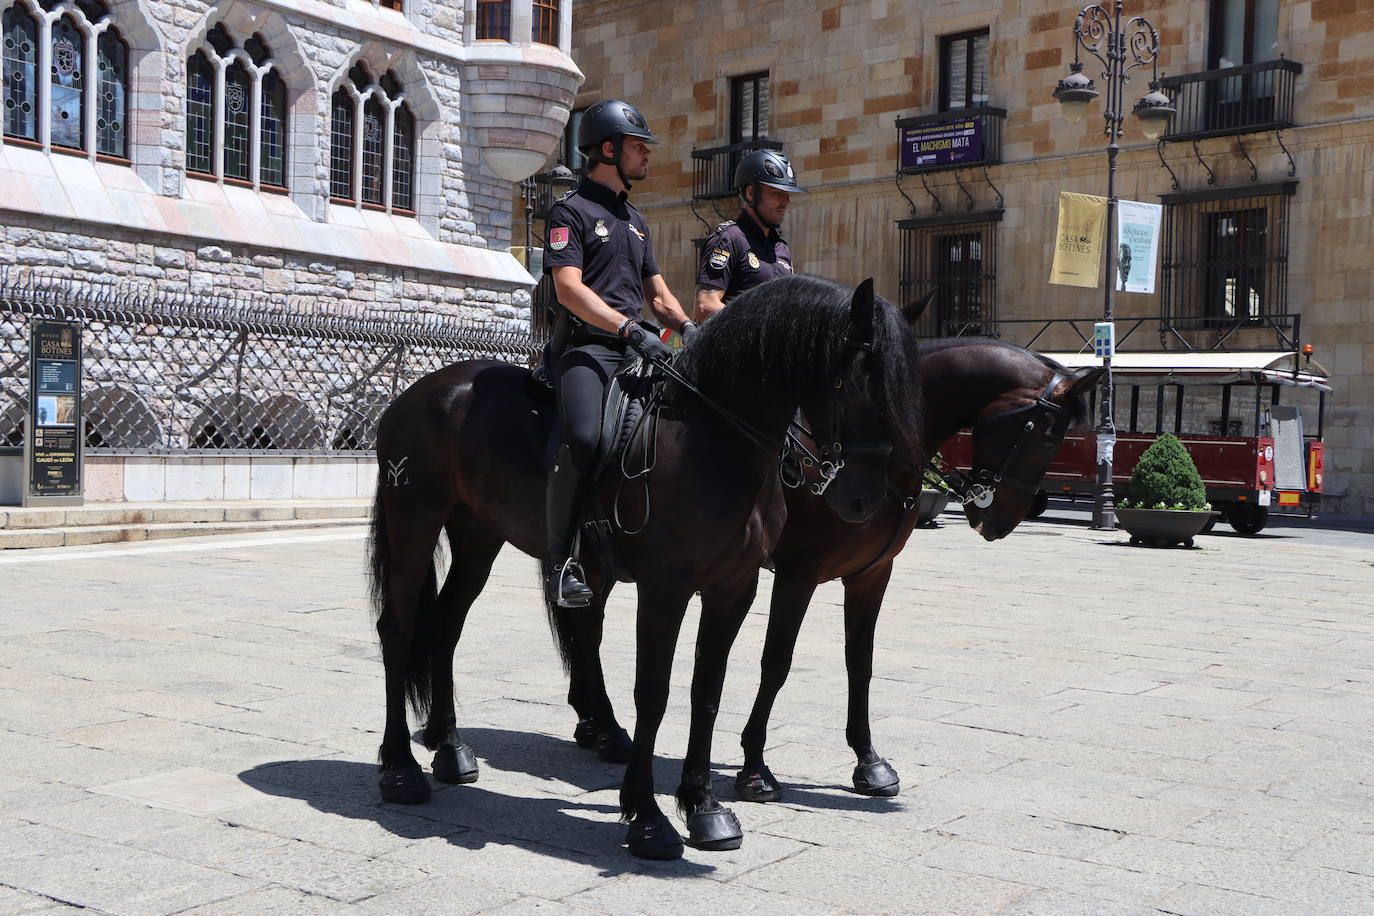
(1078, 239)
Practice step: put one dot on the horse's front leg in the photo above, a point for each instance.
(792, 591)
(710, 825)
(659, 619)
(863, 599)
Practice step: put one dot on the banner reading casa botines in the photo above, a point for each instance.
(1078, 240)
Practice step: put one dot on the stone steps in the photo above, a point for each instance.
(103, 523)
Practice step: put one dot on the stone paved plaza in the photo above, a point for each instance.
(1080, 727)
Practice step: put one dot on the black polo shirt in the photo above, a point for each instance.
(599, 231)
(739, 255)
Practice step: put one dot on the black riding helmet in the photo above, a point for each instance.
(611, 119)
(768, 167)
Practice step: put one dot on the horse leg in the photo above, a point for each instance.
(405, 620)
(659, 619)
(473, 549)
(709, 825)
(863, 599)
(597, 728)
(792, 593)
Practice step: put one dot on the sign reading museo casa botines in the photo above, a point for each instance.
(940, 144)
(54, 440)
(1078, 239)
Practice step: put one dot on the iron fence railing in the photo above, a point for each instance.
(181, 373)
(1232, 100)
(713, 169)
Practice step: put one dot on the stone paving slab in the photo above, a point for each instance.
(1080, 727)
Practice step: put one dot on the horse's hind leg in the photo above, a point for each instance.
(473, 549)
(711, 826)
(597, 728)
(863, 599)
(792, 593)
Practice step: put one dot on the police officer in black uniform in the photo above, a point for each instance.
(604, 273)
(746, 251)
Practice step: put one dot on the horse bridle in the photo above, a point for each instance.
(830, 461)
(979, 486)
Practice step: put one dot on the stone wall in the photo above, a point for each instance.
(842, 73)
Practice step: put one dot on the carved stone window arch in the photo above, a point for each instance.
(372, 142)
(236, 112)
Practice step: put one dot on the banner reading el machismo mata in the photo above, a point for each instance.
(1078, 240)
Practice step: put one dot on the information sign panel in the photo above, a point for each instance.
(52, 446)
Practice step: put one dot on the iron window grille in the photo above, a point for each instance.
(87, 109)
(546, 24)
(964, 70)
(957, 256)
(493, 20)
(372, 143)
(226, 81)
(1225, 257)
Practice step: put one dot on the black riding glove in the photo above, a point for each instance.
(648, 346)
(689, 330)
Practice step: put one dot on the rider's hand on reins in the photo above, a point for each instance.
(689, 330)
(647, 345)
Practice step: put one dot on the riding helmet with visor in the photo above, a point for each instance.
(766, 167)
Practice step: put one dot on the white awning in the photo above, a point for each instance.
(1211, 367)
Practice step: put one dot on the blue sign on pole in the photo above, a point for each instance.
(1104, 339)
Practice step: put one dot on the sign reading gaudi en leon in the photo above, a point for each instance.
(941, 144)
(53, 443)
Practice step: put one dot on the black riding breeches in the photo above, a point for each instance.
(580, 377)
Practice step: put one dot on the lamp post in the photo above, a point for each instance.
(1121, 48)
(560, 180)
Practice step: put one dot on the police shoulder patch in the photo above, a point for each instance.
(558, 238)
(719, 258)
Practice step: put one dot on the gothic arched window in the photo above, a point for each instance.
(112, 106)
(225, 140)
(21, 66)
(372, 138)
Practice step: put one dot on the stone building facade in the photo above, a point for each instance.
(1280, 154)
(315, 156)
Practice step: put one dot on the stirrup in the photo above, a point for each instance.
(577, 595)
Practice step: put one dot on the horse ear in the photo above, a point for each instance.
(913, 312)
(861, 313)
(1080, 385)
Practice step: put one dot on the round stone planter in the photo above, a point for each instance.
(1163, 527)
(931, 503)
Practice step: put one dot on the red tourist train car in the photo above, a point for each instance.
(1252, 421)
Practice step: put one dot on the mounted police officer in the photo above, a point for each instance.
(748, 250)
(604, 273)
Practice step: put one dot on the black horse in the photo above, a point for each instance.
(462, 451)
(1019, 406)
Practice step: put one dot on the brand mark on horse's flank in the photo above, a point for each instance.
(396, 472)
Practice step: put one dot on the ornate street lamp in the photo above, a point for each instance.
(560, 179)
(1121, 48)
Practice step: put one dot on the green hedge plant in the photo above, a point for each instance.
(1166, 478)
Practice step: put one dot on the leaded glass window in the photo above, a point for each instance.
(68, 72)
(238, 94)
(273, 136)
(341, 146)
(200, 115)
(112, 113)
(20, 52)
(374, 142)
(403, 159)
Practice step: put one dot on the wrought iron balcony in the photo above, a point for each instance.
(1233, 100)
(955, 139)
(713, 169)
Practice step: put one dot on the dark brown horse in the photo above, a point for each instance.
(462, 452)
(1018, 405)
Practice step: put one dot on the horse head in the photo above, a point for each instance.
(1014, 443)
(852, 424)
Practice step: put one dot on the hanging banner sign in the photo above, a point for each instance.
(53, 440)
(1137, 233)
(1078, 240)
(940, 144)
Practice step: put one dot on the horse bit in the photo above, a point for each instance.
(980, 486)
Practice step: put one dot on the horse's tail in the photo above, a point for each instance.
(560, 620)
(417, 672)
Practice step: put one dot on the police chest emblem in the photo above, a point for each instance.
(601, 231)
(753, 261)
(558, 238)
(635, 229)
(719, 258)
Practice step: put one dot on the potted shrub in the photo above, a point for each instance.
(1168, 501)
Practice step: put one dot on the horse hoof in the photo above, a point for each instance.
(757, 784)
(876, 779)
(654, 838)
(611, 746)
(404, 785)
(714, 830)
(455, 765)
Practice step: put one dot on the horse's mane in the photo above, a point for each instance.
(786, 337)
(1078, 405)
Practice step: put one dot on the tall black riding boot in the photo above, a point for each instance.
(564, 587)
